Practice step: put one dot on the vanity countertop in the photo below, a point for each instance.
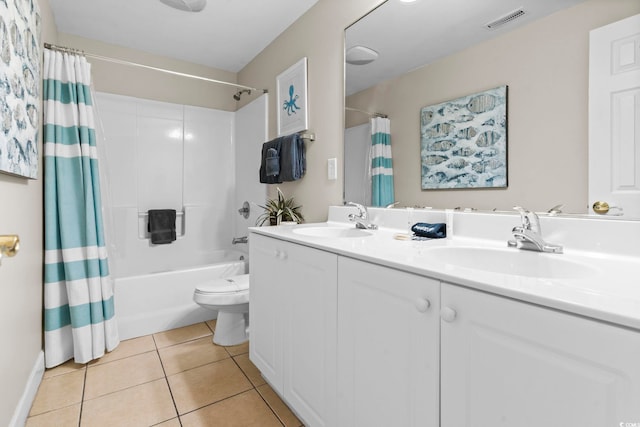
(606, 287)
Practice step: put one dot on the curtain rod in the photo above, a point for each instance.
(357, 110)
(148, 67)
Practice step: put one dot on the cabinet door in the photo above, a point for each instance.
(310, 287)
(267, 303)
(508, 363)
(388, 347)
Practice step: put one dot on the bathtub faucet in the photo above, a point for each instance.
(243, 239)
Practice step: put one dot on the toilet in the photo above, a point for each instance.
(229, 296)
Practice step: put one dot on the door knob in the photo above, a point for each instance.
(422, 304)
(604, 208)
(448, 314)
(601, 207)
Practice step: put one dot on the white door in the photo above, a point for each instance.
(267, 303)
(508, 363)
(310, 324)
(388, 347)
(614, 117)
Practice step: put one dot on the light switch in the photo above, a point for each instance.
(332, 169)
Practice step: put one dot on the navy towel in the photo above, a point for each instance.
(293, 162)
(270, 161)
(432, 231)
(162, 226)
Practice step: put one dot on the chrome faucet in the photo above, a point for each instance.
(362, 219)
(243, 239)
(529, 235)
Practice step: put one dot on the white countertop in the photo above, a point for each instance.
(609, 290)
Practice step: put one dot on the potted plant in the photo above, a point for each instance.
(280, 209)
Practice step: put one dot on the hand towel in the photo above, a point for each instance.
(432, 231)
(272, 162)
(268, 162)
(293, 163)
(162, 226)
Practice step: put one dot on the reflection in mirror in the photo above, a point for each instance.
(429, 52)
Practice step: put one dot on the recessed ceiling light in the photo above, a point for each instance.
(360, 55)
(408, 1)
(187, 5)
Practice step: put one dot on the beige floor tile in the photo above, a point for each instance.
(212, 324)
(207, 384)
(235, 350)
(283, 412)
(69, 416)
(191, 354)
(142, 405)
(128, 348)
(120, 374)
(58, 392)
(249, 369)
(180, 335)
(65, 368)
(244, 410)
(171, 423)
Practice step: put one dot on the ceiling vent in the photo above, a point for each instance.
(360, 55)
(505, 19)
(186, 5)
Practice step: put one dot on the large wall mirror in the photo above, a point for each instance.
(404, 56)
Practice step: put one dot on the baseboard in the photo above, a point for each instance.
(21, 413)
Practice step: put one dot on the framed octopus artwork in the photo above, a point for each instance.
(463, 142)
(292, 99)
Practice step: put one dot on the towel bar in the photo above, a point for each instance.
(308, 136)
(145, 214)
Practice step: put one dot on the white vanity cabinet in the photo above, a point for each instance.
(509, 363)
(293, 312)
(388, 346)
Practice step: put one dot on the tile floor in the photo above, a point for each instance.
(170, 379)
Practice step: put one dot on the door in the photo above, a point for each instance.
(388, 347)
(614, 117)
(310, 324)
(509, 363)
(267, 303)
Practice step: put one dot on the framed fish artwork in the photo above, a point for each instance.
(19, 87)
(463, 142)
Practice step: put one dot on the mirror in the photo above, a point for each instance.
(430, 52)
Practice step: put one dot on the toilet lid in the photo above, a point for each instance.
(226, 285)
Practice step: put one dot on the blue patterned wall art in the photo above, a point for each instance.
(19, 87)
(463, 142)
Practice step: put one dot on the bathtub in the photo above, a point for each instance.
(150, 303)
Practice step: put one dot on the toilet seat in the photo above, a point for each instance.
(225, 291)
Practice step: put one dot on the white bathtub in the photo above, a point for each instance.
(157, 302)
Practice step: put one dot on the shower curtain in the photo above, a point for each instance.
(79, 317)
(381, 162)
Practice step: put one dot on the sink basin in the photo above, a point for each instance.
(332, 232)
(511, 261)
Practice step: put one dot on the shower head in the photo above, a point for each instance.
(239, 93)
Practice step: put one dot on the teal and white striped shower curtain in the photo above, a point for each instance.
(79, 317)
(381, 163)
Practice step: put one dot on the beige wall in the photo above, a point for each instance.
(545, 65)
(21, 276)
(149, 84)
(318, 35)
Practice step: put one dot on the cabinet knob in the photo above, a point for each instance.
(423, 304)
(448, 314)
